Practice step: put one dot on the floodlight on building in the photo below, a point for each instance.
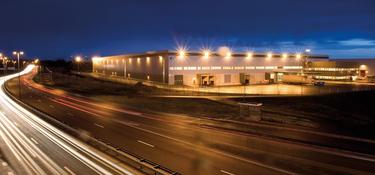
(148, 59)
(362, 67)
(228, 55)
(130, 60)
(285, 56)
(206, 54)
(249, 55)
(96, 59)
(269, 55)
(138, 60)
(181, 53)
(298, 56)
(160, 59)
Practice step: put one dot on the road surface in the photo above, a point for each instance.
(33, 146)
(188, 146)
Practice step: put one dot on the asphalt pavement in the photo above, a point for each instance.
(33, 146)
(200, 147)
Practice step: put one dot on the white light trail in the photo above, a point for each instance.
(24, 148)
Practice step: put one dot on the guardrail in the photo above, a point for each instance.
(141, 164)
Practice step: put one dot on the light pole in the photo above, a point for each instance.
(78, 59)
(18, 54)
(303, 62)
(3, 59)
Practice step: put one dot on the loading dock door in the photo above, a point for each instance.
(244, 79)
(207, 80)
(179, 80)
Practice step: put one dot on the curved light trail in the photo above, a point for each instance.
(34, 146)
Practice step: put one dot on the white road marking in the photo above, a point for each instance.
(51, 106)
(15, 123)
(98, 125)
(145, 143)
(226, 172)
(32, 139)
(68, 170)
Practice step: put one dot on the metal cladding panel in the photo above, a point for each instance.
(143, 66)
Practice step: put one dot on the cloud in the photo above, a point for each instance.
(357, 42)
(350, 53)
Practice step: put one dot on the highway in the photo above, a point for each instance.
(32, 146)
(188, 146)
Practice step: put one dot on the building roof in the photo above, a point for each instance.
(234, 54)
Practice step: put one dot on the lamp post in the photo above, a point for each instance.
(78, 59)
(18, 54)
(3, 59)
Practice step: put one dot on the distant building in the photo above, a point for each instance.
(366, 66)
(204, 68)
(333, 70)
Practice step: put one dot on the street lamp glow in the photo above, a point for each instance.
(14, 53)
(308, 50)
(1, 55)
(78, 59)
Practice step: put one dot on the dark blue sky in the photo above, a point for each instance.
(62, 28)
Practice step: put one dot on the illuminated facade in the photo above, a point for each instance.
(333, 70)
(203, 68)
(366, 66)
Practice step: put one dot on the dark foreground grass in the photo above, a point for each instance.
(345, 112)
(140, 96)
(351, 113)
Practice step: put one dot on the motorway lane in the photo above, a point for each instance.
(33, 146)
(189, 148)
(185, 159)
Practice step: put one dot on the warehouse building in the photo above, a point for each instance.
(204, 68)
(366, 66)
